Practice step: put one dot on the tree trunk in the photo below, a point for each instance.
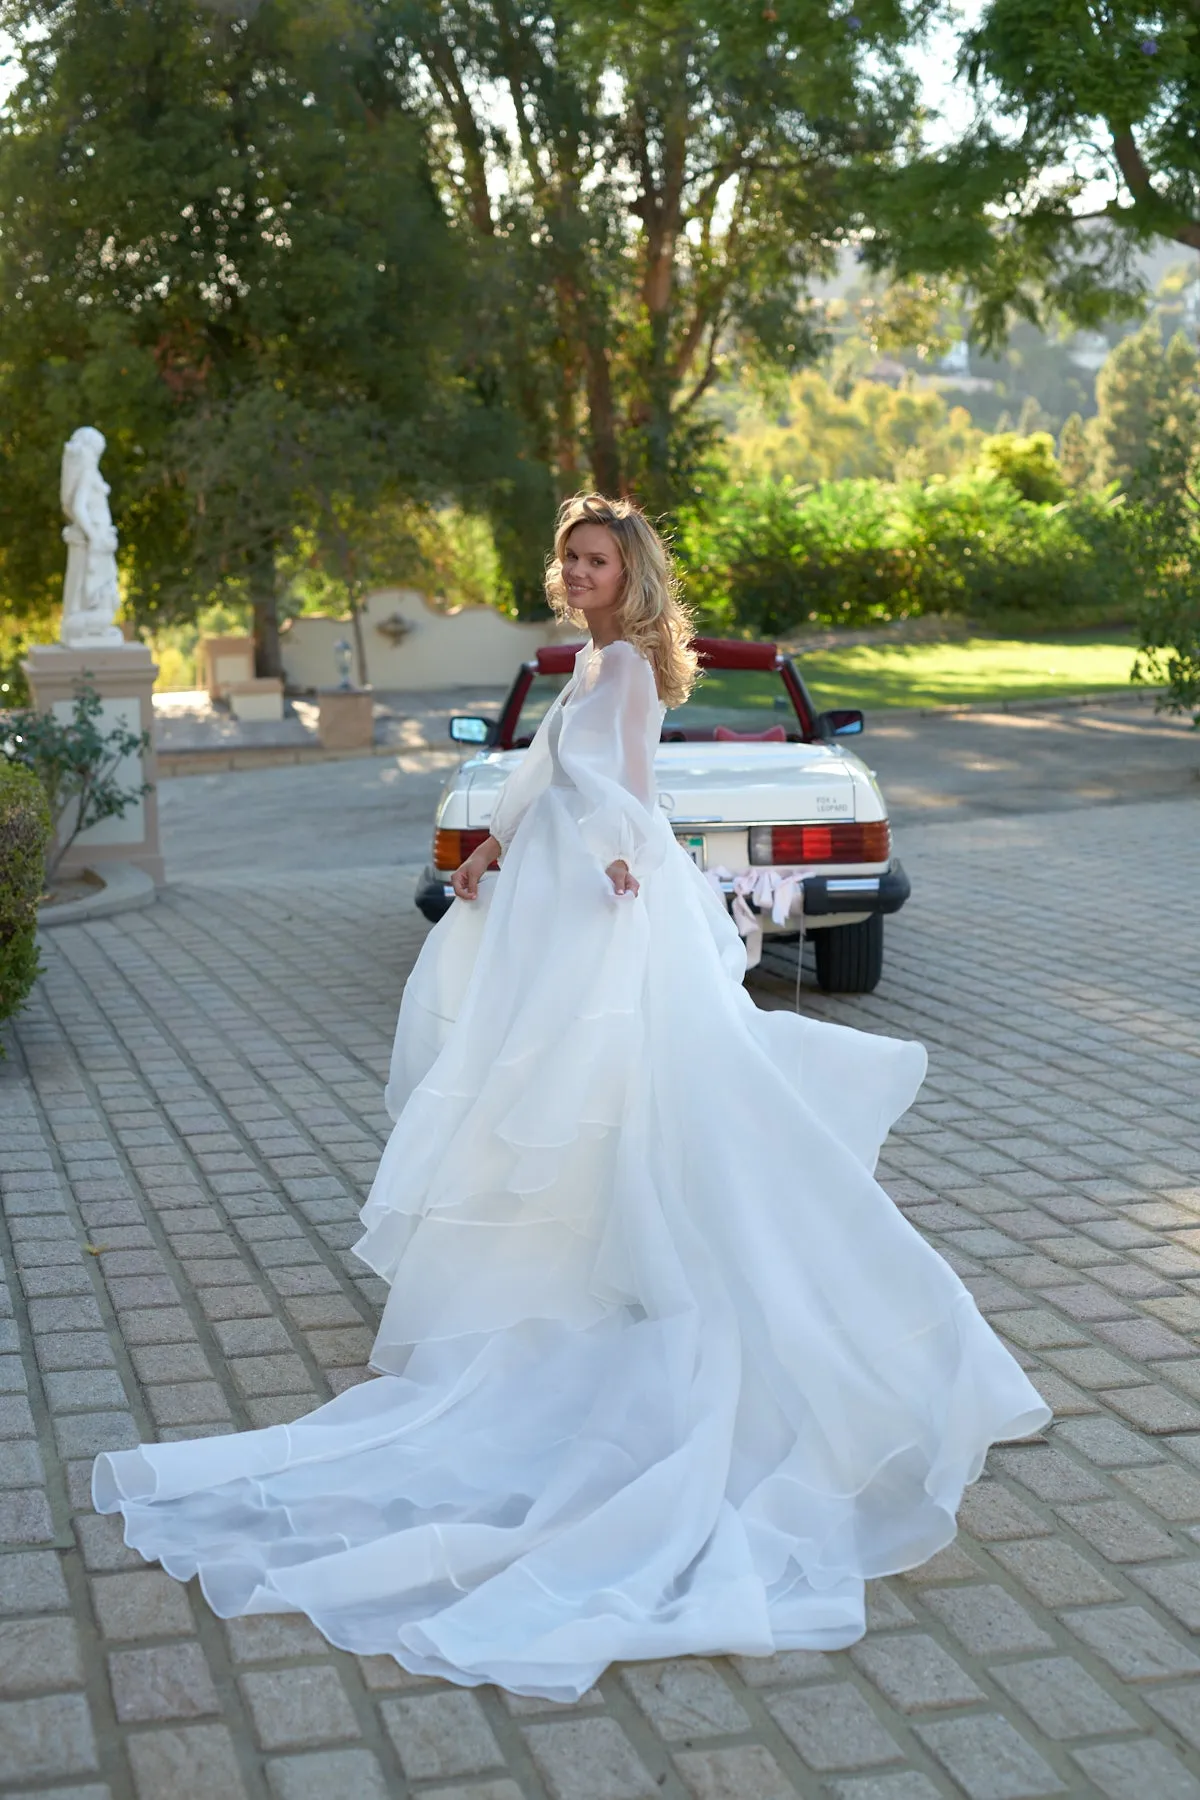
(661, 210)
(603, 449)
(264, 602)
(569, 361)
(659, 422)
(360, 643)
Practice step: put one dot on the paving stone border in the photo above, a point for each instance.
(126, 889)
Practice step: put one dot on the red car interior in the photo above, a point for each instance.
(774, 734)
(713, 653)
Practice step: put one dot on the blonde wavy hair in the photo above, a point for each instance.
(654, 618)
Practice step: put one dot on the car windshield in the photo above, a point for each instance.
(543, 691)
(743, 700)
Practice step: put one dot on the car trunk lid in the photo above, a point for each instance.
(715, 783)
(735, 784)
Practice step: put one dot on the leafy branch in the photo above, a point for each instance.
(77, 762)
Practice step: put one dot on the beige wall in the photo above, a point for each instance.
(474, 647)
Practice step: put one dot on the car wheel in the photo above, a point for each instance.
(850, 957)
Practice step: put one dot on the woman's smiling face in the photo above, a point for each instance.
(593, 572)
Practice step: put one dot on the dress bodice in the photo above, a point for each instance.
(558, 775)
(594, 750)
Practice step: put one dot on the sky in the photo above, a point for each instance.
(8, 74)
(934, 63)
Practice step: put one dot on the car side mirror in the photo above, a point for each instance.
(841, 722)
(466, 730)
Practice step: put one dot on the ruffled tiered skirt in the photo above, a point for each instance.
(663, 1369)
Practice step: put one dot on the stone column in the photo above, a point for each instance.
(346, 718)
(123, 676)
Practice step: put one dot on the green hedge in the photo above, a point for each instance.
(24, 836)
(768, 557)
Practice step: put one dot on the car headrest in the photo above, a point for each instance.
(774, 734)
(557, 659)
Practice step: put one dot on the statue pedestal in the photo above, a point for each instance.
(123, 676)
(346, 718)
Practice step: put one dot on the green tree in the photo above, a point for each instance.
(1169, 525)
(652, 186)
(1028, 463)
(1083, 150)
(1074, 453)
(211, 222)
(815, 433)
(273, 486)
(1166, 519)
(1138, 389)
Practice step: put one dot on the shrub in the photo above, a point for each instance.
(1169, 646)
(1028, 463)
(1169, 529)
(14, 689)
(768, 557)
(987, 554)
(24, 835)
(1169, 615)
(77, 763)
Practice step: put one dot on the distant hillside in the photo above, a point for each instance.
(1038, 380)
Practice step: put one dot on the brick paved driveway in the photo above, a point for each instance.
(188, 1121)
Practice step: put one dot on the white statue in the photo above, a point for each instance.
(90, 592)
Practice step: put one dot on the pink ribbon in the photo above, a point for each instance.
(775, 890)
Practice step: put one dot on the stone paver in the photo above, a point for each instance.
(190, 1116)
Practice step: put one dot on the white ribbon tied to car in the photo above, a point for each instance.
(779, 891)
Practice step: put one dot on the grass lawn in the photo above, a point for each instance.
(974, 671)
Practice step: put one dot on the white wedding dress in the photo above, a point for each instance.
(664, 1370)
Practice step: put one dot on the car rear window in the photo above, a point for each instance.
(744, 700)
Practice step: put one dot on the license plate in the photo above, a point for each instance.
(695, 849)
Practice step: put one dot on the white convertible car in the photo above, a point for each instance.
(761, 792)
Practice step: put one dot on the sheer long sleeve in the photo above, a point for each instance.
(529, 779)
(609, 734)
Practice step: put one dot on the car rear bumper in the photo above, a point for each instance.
(829, 896)
(836, 900)
(828, 899)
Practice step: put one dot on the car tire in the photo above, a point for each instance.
(850, 957)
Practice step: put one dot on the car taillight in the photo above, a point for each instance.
(450, 848)
(869, 843)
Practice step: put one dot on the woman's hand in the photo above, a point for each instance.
(465, 879)
(622, 878)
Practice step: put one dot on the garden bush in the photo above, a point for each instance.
(1168, 619)
(24, 835)
(14, 689)
(986, 553)
(1027, 463)
(1169, 643)
(769, 557)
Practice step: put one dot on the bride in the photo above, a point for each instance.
(662, 1369)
